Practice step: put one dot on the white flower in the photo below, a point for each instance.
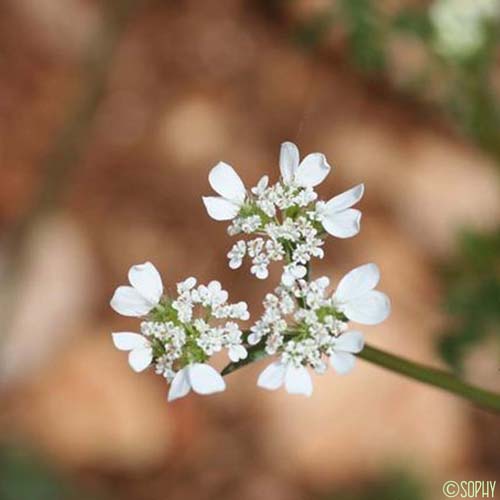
(337, 217)
(184, 307)
(240, 311)
(236, 254)
(141, 353)
(309, 172)
(250, 224)
(356, 298)
(292, 272)
(343, 349)
(210, 340)
(177, 332)
(259, 267)
(199, 377)
(186, 285)
(211, 295)
(144, 294)
(227, 183)
(259, 330)
(261, 186)
(237, 352)
(296, 379)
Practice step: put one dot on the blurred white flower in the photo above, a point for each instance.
(460, 25)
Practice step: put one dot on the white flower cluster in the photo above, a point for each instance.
(179, 336)
(289, 223)
(303, 324)
(306, 326)
(460, 26)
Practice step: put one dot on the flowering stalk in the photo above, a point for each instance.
(304, 325)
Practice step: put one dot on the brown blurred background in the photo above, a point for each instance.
(112, 114)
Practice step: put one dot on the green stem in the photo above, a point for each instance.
(411, 369)
(431, 376)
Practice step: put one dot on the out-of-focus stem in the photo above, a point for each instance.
(66, 149)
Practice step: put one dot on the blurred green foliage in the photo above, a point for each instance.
(413, 22)
(365, 33)
(469, 96)
(396, 485)
(473, 296)
(470, 99)
(23, 476)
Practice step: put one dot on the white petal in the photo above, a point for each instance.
(179, 387)
(219, 208)
(190, 282)
(343, 224)
(357, 282)
(298, 381)
(261, 185)
(342, 362)
(147, 280)
(204, 379)
(351, 341)
(287, 278)
(127, 341)
(312, 170)
(237, 352)
(371, 308)
(235, 263)
(289, 161)
(254, 338)
(139, 359)
(346, 199)
(272, 377)
(186, 285)
(323, 282)
(299, 271)
(214, 286)
(128, 301)
(261, 273)
(226, 182)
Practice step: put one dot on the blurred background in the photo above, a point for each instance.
(112, 114)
